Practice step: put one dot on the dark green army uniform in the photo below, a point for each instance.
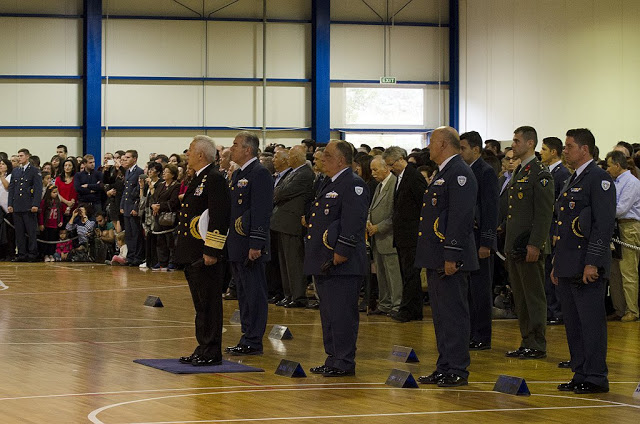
(529, 217)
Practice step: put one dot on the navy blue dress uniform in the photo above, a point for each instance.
(586, 210)
(25, 192)
(446, 234)
(485, 226)
(529, 216)
(251, 207)
(207, 191)
(337, 224)
(560, 175)
(132, 227)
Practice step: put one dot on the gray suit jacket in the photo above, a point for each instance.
(290, 196)
(380, 214)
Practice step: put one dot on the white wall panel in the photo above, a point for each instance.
(357, 52)
(153, 48)
(551, 64)
(63, 7)
(241, 105)
(164, 104)
(432, 11)
(40, 46)
(40, 142)
(40, 103)
(419, 53)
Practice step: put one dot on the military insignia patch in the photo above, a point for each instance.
(326, 211)
(605, 185)
(575, 189)
(331, 195)
(434, 201)
(544, 182)
(243, 183)
(520, 195)
(359, 190)
(199, 190)
(572, 205)
(438, 182)
(462, 180)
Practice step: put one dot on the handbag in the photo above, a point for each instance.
(166, 219)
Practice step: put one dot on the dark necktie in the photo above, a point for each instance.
(573, 178)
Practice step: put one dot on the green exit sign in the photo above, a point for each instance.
(387, 80)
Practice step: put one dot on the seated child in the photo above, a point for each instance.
(121, 257)
(63, 247)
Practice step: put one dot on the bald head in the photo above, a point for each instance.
(297, 156)
(281, 160)
(445, 142)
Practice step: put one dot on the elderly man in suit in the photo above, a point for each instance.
(410, 187)
(290, 198)
(485, 226)
(380, 230)
(129, 208)
(25, 193)
(550, 153)
(249, 240)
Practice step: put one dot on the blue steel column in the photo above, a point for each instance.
(454, 64)
(320, 78)
(92, 71)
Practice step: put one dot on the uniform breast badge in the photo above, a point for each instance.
(243, 183)
(438, 182)
(520, 195)
(434, 201)
(572, 205)
(331, 195)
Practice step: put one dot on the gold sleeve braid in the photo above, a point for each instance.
(215, 240)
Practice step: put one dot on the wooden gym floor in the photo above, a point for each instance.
(69, 334)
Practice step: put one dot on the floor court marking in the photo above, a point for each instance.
(93, 415)
(3, 286)
(96, 291)
(92, 342)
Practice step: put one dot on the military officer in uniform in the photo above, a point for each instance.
(25, 194)
(203, 255)
(582, 261)
(447, 249)
(335, 254)
(129, 208)
(529, 215)
(485, 233)
(249, 242)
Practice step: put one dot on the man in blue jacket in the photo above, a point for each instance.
(447, 249)
(586, 214)
(248, 242)
(335, 254)
(25, 194)
(88, 184)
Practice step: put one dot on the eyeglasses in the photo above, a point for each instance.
(512, 159)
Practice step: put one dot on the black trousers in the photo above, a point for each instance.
(585, 321)
(205, 284)
(134, 239)
(49, 234)
(481, 301)
(340, 320)
(26, 223)
(411, 304)
(450, 309)
(165, 245)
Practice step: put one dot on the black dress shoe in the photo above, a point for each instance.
(230, 295)
(564, 364)
(587, 388)
(335, 372)
(188, 359)
(533, 354)
(230, 349)
(555, 321)
(245, 350)
(399, 316)
(314, 304)
(283, 301)
(295, 304)
(479, 346)
(319, 369)
(204, 362)
(514, 353)
(19, 259)
(431, 378)
(570, 386)
(274, 299)
(376, 312)
(452, 380)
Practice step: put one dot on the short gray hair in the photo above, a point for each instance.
(207, 146)
(394, 153)
(251, 140)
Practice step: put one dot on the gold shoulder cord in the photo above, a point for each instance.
(193, 228)
(238, 226)
(575, 227)
(435, 229)
(325, 240)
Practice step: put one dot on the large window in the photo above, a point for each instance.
(384, 107)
